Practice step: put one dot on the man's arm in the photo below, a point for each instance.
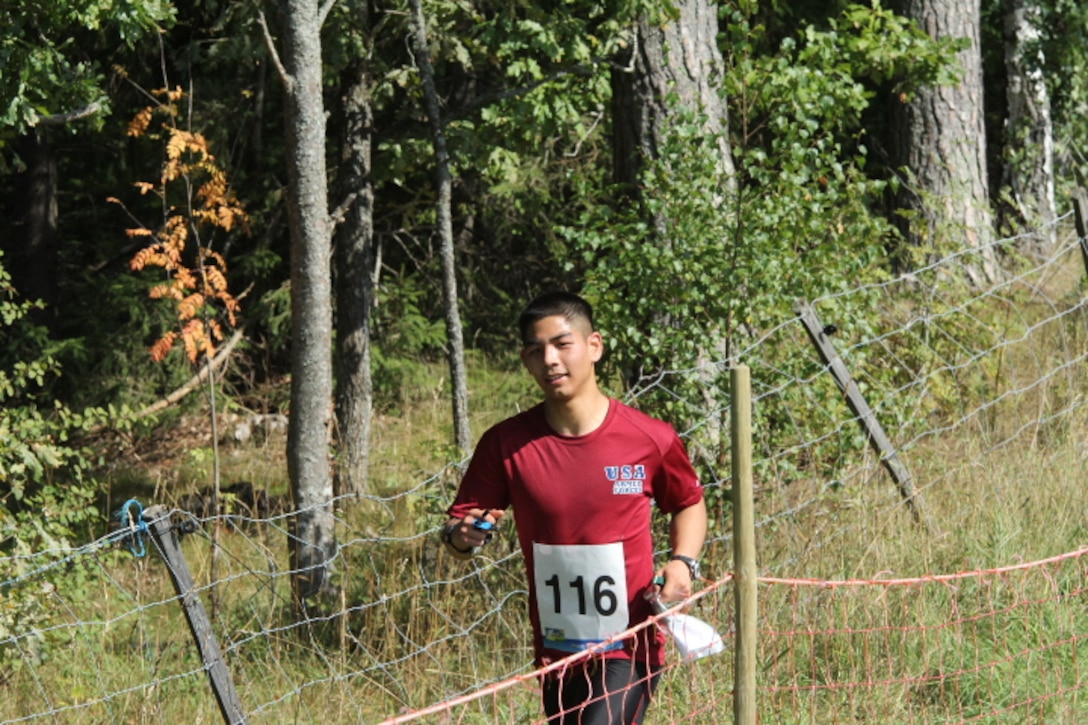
(687, 534)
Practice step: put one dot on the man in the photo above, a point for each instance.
(580, 471)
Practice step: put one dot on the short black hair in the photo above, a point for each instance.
(567, 304)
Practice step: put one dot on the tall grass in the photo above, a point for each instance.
(412, 627)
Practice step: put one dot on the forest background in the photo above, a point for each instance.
(319, 201)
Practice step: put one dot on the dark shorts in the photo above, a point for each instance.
(608, 692)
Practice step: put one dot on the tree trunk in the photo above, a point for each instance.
(941, 135)
(1029, 150)
(32, 245)
(355, 285)
(681, 58)
(314, 542)
(443, 203)
(673, 68)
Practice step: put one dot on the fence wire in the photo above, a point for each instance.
(955, 373)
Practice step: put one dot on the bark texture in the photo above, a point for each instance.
(308, 435)
(679, 58)
(354, 255)
(941, 138)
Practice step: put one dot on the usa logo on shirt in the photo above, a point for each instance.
(626, 480)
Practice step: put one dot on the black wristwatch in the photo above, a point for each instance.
(693, 565)
(447, 537)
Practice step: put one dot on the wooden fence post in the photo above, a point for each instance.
(744, 551)
(866, 418)
(1080, 214)
(164, 533)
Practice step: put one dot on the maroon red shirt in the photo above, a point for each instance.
(582, 506)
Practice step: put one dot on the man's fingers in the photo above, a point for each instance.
(479, 526)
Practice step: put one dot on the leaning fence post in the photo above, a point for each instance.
(165, 535)
(744, 551)
(866, 418)
(1080, 209)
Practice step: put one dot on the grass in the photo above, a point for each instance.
(1000, 484)
(1018, 503)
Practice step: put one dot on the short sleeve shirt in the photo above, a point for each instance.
(583, 508)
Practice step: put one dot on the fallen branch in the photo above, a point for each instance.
(197, 380)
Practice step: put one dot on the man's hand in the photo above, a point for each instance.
(463, 537)
(678, 584)
(686, 534)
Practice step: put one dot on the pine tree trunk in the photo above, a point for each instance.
(680, 58)
(32, 246)
(941, 137)
(673, 68)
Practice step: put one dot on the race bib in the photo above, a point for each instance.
(581, 594)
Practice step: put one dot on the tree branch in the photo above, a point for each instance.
(288, 81)
(324, 12)
(197, 380)
(60, 119)
(341, 211)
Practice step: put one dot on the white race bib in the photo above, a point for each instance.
(581, 594)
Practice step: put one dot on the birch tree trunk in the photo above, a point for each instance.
(1029, 150)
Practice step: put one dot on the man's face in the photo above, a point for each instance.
(560, 355)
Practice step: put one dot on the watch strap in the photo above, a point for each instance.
(692, 564)
(447, 539)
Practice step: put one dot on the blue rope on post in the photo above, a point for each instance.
(137, 527)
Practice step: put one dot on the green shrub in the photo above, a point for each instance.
(48, 500)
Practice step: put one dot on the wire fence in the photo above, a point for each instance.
(952, 372)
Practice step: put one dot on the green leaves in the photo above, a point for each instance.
(1064, 28)
(692, 270)
(44, 499)
(48, 63)
(31, 439)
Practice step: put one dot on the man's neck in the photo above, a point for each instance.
(579, 416)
